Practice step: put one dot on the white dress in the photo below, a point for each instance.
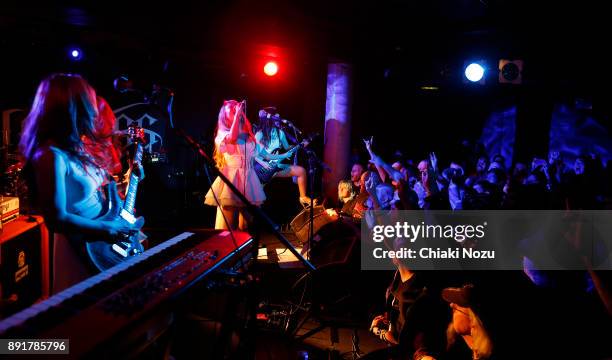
(238, 168)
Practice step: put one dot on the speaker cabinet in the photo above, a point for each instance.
(301, 223)
(24, 264)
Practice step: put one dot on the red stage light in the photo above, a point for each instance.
(271, 68)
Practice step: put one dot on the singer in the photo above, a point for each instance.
(235, 149)
(273, 139)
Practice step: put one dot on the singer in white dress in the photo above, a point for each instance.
(235, 149)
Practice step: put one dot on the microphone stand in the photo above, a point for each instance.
(254, 210)
(295, 156)
(260, 219)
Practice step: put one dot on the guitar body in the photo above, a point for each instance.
(107, 252)
(265, 175)
(103, 252)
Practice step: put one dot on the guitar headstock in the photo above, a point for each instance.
(136, 133)
(309, 139)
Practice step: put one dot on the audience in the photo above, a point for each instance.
(478, 182)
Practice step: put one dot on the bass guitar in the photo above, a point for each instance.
(105, 253)
(266, 169)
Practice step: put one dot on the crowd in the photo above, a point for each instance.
(499, 314)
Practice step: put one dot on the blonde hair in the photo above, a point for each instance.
(346, 185)
(482, 346)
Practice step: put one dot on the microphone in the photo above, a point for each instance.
(263, 114)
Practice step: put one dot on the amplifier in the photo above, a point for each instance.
(9, 208)
(301, 223)
(24, 263)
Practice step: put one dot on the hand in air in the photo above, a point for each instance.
(433, 161)
(240, 112)
(370, 185)
(368, 143)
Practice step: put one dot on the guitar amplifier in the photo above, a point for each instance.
(9, 209)
(301, 223)
(24, 265)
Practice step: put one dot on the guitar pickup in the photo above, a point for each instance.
(122, 248)
(127, 216)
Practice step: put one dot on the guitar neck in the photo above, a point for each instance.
(132, 188)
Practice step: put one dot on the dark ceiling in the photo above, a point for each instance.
(344, 28)
(396, 46)
(420, 42)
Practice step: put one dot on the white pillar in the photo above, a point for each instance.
(337, 136)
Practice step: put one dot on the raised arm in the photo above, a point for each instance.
(237, 123)
(378, 163)
(383, 168)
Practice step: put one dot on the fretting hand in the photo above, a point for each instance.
(290, 153)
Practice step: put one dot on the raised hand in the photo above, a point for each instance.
(368, 143)
(240, 108)
(433, 161)
(370, 185)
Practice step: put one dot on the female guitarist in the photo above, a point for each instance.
(64, 178)
(273, 139)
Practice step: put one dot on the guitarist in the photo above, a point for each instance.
(65, 179)
(273, 139)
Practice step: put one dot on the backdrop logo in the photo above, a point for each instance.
(146, 116)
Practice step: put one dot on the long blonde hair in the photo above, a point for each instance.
(224, 124)
(482, 346)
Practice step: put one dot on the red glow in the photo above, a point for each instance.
(271, 68)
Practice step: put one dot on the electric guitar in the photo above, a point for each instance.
(105, 253)
(266, 169)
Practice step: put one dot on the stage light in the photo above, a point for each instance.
(474, 72)
(271, 68)
(510, 71)
(76, 54)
